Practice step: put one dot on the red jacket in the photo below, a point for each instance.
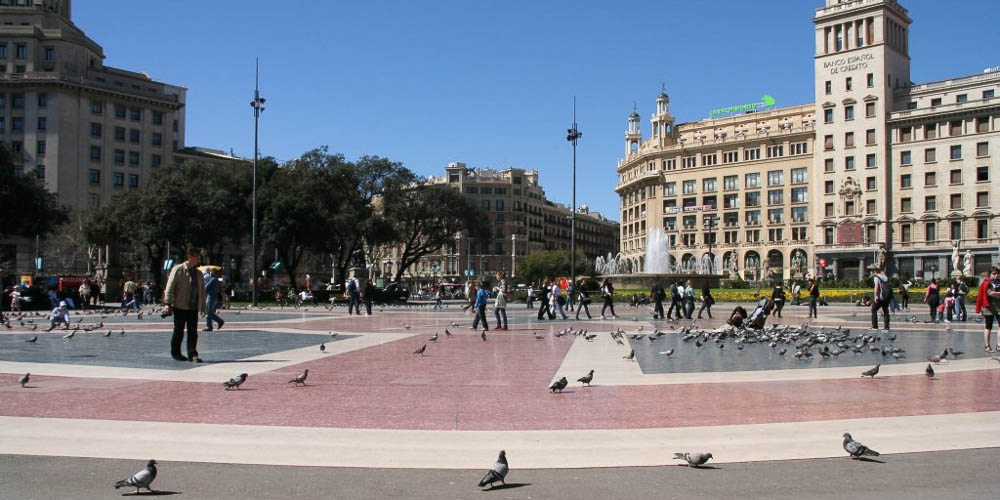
(982, 299)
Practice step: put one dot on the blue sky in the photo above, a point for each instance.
(487, 82)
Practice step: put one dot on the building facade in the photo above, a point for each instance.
(89, 131)
(522, 220)
(885, 161)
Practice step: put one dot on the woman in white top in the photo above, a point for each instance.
(500, 306)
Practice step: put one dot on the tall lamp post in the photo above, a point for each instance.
(258, 107)
(572, 135)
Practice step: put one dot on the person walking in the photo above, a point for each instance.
(480, 305)
(213, 292)
(438, 296)
(130, 300)
(932, 299)
(557, 300)
(368, 297)
(706, 300)
(778, 298)
(796, 293)
(658, 294)
(904, 294)
(882, 297)
(689, 300)
(583, 301)
(986, 304)
(353, 288)
(184, 297)
(85, 294)
(675, 302)
(813, 298)
(500, 304)
(530, 299)
(543, 301)
(570, 295)
(608, 294)
(961, 314)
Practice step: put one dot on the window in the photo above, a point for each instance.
(119, 157)
(95, 129)
(828, 86)
(930, 231)
(827, 116)
(730, 201)
(157, 117)
(708, 159)
(905, 233)
(486, 204)
(905, 181)
(752, 180)
(828, 210)
(708, 185)
(828, 235)
(982, 124)
(828, 187)
(50, 54)
(956, 176)
(960, 98)
(849, 113)
(670, 223)
(156, 160)
(775, 178)
(982, 229)
(930, 131)
(905, 134)
(40, 148)
(799, 175)
(95, 176)
(870, 160)
(905, 158)
(955, 201)
(40, 172)
(135, 114)
(133, 158)
(119, 111)
(21, 51)
(911, 105)
(955, 128)
(753, 217)
(43, 123)
(870, 136)
(751, 154)
(870, 110)
(118, 179)
(730, 182)
(799, 214)
(730, 157)
(799, 195)
(775, 151)
(988, 94)
(157, 139)
(119, 133)
(930, 155)
(3, 51)
(870, 183)
(870, 79)
(689, 162)
(95, 153)
(828, 165)
(849, 139)
(17, 101)
(870, 207)
(982, 174)
(753, 199)
(849, 83)
(849, 207)
(930, 203)
(775, 197)
(828, 142)
(97, 108)
(956, 230)
(689, 187)
(799, 148)
(43, 100)
(982, 149)
(133, 180)
(906, 205)
(935, 102)
(499, 205)
(133, 136)
(956, 152)
(670, 189)
(930, 179)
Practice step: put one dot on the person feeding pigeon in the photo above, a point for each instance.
(59, 315)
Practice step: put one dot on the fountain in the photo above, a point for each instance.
(657, 253)
(657, 264)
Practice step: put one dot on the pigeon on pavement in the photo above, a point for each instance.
(24, 379)
(497, 473)
(69, 335)
(929, 371)
(559, 385)
(141, 479)
(434, 338)
(668, 352)
(32, 340)
(955, 353)
(539, 336)
(693, 459)
(420, 350)
(447, 333)
(322, 347)
(856, 449)
(631, 355)
(483, 335)
(586, 379)
(300, 378)
(870, 373)
(108, 333)
(235, 382)
(938, 357)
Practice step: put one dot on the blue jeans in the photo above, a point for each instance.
(960, 313)
(211, 305)
(498, 312)
(353, 304)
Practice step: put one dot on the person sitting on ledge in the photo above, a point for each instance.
(737, 317)
(864, 301)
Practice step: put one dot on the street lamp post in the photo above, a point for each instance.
(573, 135)
(258, 107)
(711, 240)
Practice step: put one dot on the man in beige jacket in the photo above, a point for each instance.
(184, 297)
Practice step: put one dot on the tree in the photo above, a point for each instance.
(426, 217)
(29, 208)
(548, 264)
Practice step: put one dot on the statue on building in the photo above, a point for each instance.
(968, 271)
(956, 261)
(880, 254)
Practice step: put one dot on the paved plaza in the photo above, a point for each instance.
(370, 403)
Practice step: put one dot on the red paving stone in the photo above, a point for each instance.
(464, 383)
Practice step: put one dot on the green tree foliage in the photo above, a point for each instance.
(28, 207)
(549, 264)
(426, 217)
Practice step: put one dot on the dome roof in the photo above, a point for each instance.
(664, 96)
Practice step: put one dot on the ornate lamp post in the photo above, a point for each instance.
(258, 107)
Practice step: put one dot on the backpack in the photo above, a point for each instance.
(352, 285)
(885, 291)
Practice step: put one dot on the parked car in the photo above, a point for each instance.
(393, 292)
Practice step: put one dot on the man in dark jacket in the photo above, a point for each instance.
(658, 295)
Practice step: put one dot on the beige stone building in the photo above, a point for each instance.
(88, 130)
(522, 220)
(896, 163)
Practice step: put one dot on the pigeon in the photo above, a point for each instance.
(141, 479)
(434, 338)
(856, 449)
(539, 336)
(693, 459)
(300, 378)
(631, 355)
(497, 473)
(590, 338)
(559, 385)
(483, 335)
(322, 347)
(668, 352)
(107, 334)
(870, 373)
(406, 326)
(586, 379)
(929, 371)
(24, 379)
(447, 333)
(938, 357)
(420, 350)
(235, 382)
(122, 333)
(32, 340)
(955, 353)
(69, 335)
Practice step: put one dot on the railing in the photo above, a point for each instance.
(942, 108)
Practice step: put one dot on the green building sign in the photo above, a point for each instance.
(767, 101)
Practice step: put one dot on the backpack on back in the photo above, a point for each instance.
(884, 291)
